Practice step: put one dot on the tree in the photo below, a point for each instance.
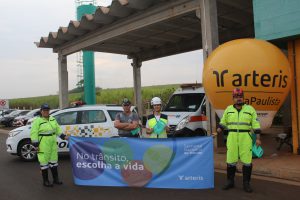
(80, 84)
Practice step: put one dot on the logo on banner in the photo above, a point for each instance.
(193, 149)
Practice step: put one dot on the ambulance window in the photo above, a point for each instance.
(92, 116)
(66, 118)
(184, 102)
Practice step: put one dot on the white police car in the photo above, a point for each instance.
(83, 121)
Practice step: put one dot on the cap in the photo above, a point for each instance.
(45, 106)
(126, 102)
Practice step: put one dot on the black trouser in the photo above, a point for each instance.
(231, 169)
(247, 170)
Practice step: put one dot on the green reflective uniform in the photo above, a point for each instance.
(45, 132)
(239, 125)
(152, 122)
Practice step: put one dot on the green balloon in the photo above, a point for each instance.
(117, 153)
(157, 158)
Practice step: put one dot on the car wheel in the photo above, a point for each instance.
(26, 151)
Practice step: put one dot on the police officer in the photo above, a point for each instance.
(157, 118)
(239, 119)
(43, 135)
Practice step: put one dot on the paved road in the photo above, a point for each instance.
(22, 180)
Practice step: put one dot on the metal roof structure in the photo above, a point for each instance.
(149, 29)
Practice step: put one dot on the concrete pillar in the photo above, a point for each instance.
(63, 81)
(89, 77)
(136, 64)
(294, 60)
(210, 40)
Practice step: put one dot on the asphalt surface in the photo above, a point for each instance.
(22, 180)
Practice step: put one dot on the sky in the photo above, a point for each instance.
(28, 71)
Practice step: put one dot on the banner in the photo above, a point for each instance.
(135, 162)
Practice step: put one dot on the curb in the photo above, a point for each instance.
(282, 169)
(265, 178)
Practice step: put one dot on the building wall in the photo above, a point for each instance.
(274, 19)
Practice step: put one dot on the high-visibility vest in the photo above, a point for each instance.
(240, 121)
(152, 122)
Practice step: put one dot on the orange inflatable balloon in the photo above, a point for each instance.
(256, 66)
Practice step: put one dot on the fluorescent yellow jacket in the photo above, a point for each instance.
(42, 126)
(242, 121)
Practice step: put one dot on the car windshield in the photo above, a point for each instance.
(7, 112)
(184, 102)
(14, 113)
(31, 113)
(52, 111)
(23, 112)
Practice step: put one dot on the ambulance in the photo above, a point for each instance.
(186, 110)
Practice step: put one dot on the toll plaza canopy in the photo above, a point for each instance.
(149, 29)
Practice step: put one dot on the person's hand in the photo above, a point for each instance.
(149, 130)
(219, 130)
(134, 126)
(35, 146)
(258, 142)
(167, 129)
(214, 134)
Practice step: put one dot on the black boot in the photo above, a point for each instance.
(55, 176)
(46, 181)
(230, 177)
(246, 178)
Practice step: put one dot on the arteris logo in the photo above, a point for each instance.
(253, 79)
